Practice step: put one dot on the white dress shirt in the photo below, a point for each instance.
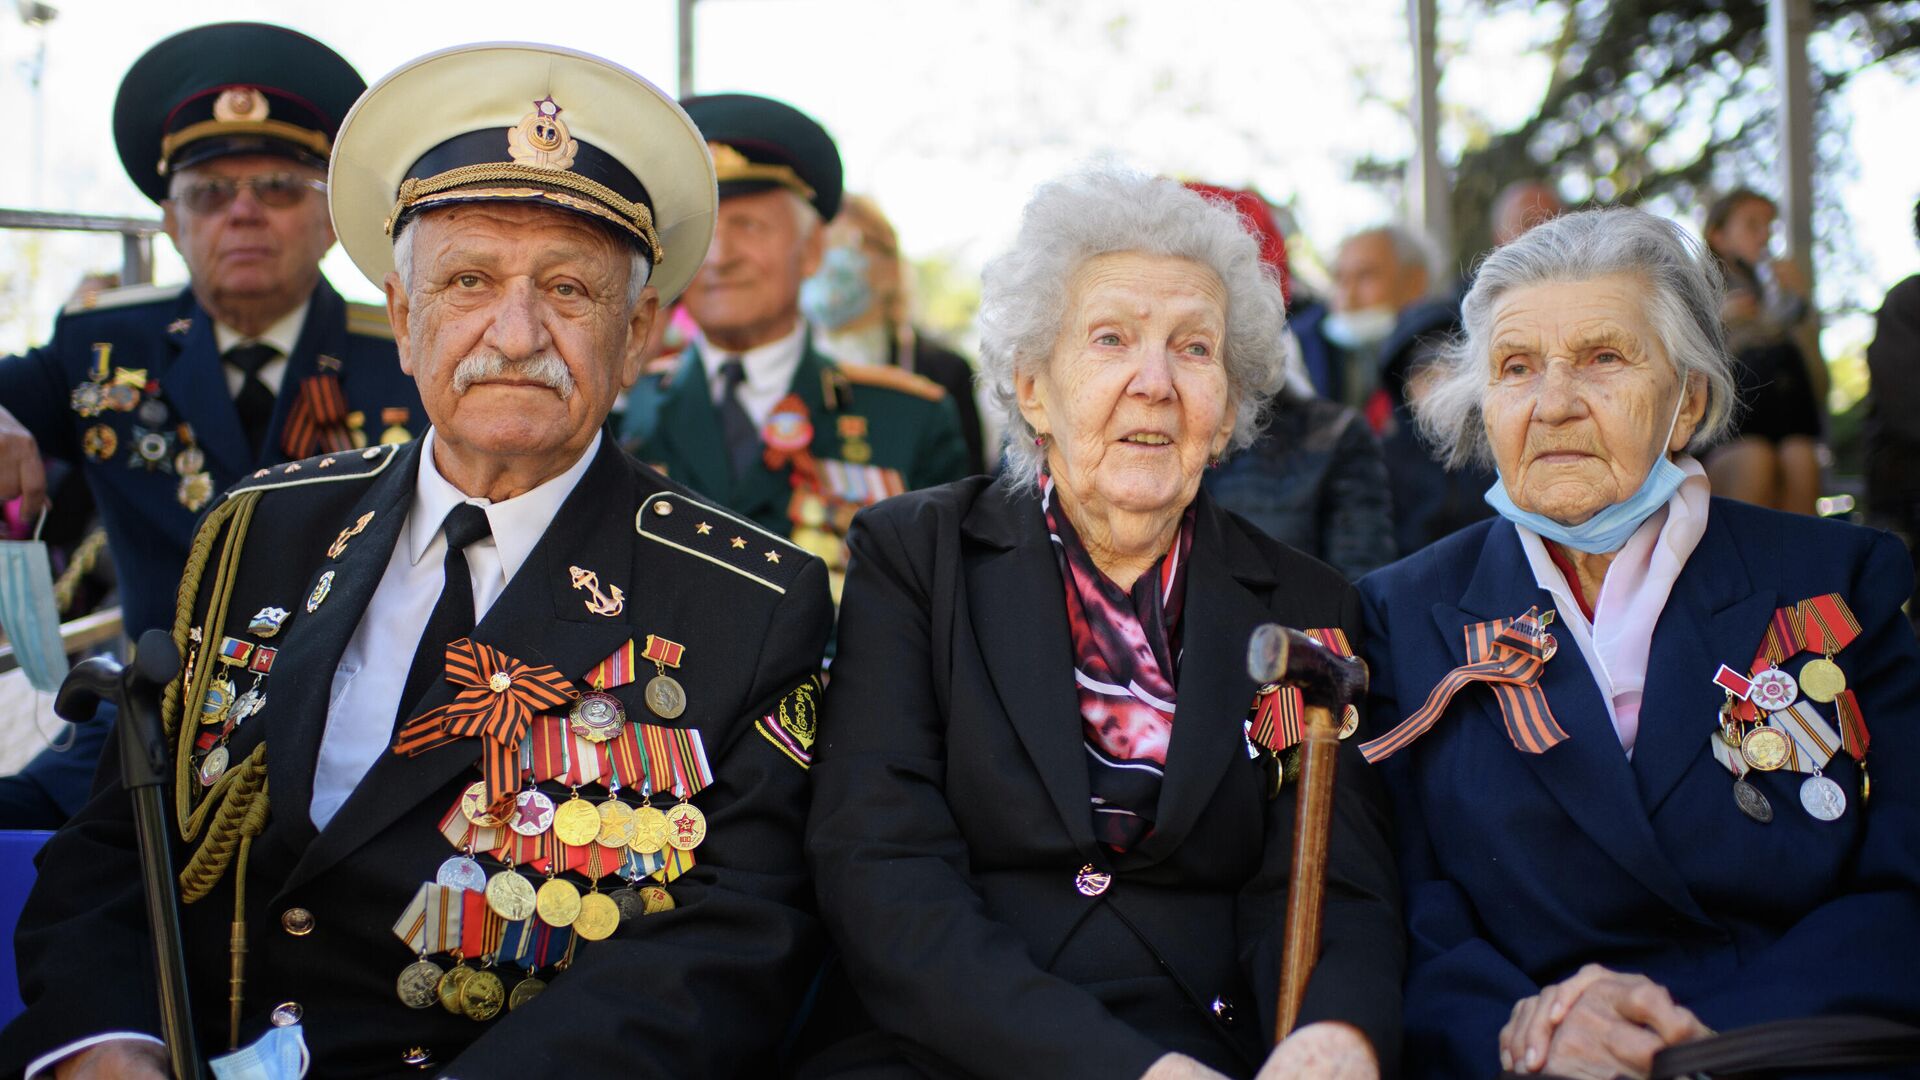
(283, 335)
(769, 368)
(364, 700)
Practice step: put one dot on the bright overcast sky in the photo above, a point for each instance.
(947, 111)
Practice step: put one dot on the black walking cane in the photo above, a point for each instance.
(144, 771)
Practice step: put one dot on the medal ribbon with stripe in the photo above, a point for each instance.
(1277, 709)
(496, 705)
(1508, 655)
(676, 759)
(615, 670)
(1824, 624)
(317, 422)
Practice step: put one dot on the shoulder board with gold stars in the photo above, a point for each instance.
(699, 530)
(893, 378)
(324, 469)
(369, 320)
(128, 296)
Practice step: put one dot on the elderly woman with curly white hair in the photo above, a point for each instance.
(1625, 724)
(1046, 839)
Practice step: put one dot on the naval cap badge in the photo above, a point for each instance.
(541, 139)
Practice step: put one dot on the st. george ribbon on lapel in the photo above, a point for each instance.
(496, 704)
(1508, 655)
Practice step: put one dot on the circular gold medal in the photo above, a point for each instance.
(419, 984)
(558, 902)
(686, 827)
(473, 806)
(1765, 748)
(576, 823)
(649, 830)
(599, 917)
(666, 697)
(616, 824)
(510, 895)
(482, 995)
(524, 991)
(654, 899)
(448, 988)
(1822, 680)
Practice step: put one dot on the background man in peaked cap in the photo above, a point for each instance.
(751, 414)
(524, 726)
(164, 396)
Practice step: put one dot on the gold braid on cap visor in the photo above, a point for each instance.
(306, 138)
(554, 185)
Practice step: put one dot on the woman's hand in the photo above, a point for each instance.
(1179, 1067)
(1599, 1023)
(116, 1059)
(1327, 1050)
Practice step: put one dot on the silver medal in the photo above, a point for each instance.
(463, 873)
(1823, 798)
(1751, 802)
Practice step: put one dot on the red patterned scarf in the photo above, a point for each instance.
(1126, 656)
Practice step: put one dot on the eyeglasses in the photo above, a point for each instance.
(216, 193)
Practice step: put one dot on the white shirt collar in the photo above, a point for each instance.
(518, 523)
(282, 335)
(770, 367)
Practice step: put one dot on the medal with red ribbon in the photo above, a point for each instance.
(1508, 655)
(496, 704)
(615, 670)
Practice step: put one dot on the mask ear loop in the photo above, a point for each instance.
(1674, 424)
(42, 522)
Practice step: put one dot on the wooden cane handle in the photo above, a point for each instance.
(1306, 888)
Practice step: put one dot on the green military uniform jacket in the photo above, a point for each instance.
(875, 432)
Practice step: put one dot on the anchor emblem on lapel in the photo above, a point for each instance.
(609, 603)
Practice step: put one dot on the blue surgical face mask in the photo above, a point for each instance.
(838, 292)
(1609, 529)
(28, 612)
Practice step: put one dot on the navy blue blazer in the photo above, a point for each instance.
(1519, 868)
(166, 333)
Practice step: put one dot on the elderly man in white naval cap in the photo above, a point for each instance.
(491, 747)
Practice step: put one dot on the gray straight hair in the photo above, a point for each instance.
(638, 270)
(1682, 296)
(1105, 210)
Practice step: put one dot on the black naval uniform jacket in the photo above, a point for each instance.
(951, 815)
(705, 989)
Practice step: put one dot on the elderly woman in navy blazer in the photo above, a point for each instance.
(1627, 725)
(1042, 836)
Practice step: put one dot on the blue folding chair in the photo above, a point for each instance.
(17, 849)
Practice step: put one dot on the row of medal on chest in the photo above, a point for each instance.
(502, 918)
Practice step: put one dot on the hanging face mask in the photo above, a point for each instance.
(1610, 529)
(28, 613)
(838, 292)
(1361, 329)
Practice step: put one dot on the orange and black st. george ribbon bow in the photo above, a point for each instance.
(1507, 655)
(317, 422)
(498, 699)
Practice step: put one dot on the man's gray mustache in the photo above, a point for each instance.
(486, 364)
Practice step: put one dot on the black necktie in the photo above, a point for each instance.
(254, 402)
(452, 617)
(743, 439)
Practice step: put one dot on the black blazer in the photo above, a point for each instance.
(951, 814)
(705, 989)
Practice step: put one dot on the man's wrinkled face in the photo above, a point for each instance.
(516, 327)
(247, 252)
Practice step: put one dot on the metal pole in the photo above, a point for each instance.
(1427, 196)
(1787, 24)
(686, 49)
(136, 259)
